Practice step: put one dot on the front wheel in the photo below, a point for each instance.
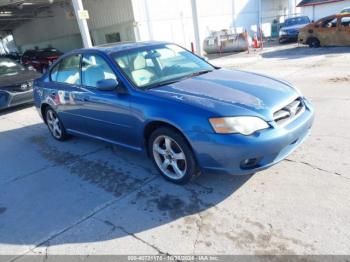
(55, 125)
(172, 155)
(314, 42)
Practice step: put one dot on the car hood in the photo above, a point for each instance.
(232, 92)
(18, 78)
(293, 27)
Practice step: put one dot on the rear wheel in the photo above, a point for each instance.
(55, 125)
(172, 155)
(313, 42)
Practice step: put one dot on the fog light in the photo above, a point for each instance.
(250, 163)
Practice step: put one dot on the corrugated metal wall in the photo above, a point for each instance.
(61, 29)
(105, 13)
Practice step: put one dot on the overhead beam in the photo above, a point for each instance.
(17, 2)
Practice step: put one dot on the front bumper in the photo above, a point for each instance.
(10, 99)
(227, 153)
(288, 38)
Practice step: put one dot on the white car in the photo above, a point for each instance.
(345, 10)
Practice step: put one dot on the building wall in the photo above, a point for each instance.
(172, 20)
(246, 15)
(61, 29)
(320, 11)
(166, 20)
(110, 16)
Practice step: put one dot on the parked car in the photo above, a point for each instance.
(332, 30)
(40, 59)
(345, 10)
(13, 56)
(188, 115)
(290, 29)
(16, 83)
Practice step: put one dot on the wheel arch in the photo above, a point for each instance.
(43, 108)
(310, 38)
(155, 124)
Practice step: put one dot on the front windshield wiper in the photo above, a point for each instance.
(164, 83)
(168, 82)
(202, 72)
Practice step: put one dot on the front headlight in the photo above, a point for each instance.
(282, 32)
(245, 125)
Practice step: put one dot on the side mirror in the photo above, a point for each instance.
(107, 85)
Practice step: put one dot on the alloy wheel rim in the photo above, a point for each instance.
(169, 157)
(54, 124)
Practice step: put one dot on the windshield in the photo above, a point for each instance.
(160, 65)
(297, 21)
(9, 67)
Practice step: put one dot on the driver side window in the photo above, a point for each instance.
(330, 23)
(94, 69)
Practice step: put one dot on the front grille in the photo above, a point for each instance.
(24, 87)
(289, 112)
(21, 98)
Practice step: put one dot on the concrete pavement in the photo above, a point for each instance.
(88, 197)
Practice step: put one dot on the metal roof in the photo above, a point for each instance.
(316, 2)
(15, 12)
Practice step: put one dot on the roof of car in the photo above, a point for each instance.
(316, 2)
(334, 16)
(122, 46)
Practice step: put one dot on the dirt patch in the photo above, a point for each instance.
(340, 79)
(116, 181)
(172, 206)
(245, 234)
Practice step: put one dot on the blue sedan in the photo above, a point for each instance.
(189, 116)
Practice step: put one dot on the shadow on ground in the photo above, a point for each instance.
(10, 110)
(63, 185)
(303, 51)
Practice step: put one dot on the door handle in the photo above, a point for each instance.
(86, 98)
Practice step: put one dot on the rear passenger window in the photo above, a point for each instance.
(67, 71)
(345, 21)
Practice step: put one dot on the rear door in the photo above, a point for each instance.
(66, 93)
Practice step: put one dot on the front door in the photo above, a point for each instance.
(344, 31)
(327, 31)
(106, 112)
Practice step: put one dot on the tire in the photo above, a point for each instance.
(55, 125)
(172, 156)
(313, 42)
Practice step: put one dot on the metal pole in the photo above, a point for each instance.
(149, 26)
(82, 23)
(196, 27)
(260, 15)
